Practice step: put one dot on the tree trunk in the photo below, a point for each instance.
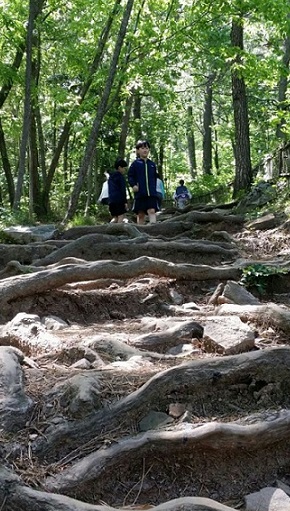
(191, 142)
(207, 128)
(34, 181)
(15, 66)
(216, 154)
(243, 168)
(35, 8)
(6, 165)
(125, 126)
(282, 89)
(90, 148)
(3, 96)
(41, 143)
(34, 185)
(137, 115)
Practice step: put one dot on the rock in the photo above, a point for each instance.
(176, 297)
(83, 363)
(135, 362)
(259, 195)
(176, 410)
(221, 236)
(227, 335)
(30, 333)
(238, 294)
(15, 405)
(154, 420)
(53, 323)
(190, 306)
(79, 395)
(29, 234)
(283, 486)
(182, 350)
(268, 499)
(265, 222)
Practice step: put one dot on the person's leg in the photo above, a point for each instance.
(120, 219)
(141, 217)
(152, 216)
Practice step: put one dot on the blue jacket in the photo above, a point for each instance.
(117, 188)
(145, 175)
(181, 189)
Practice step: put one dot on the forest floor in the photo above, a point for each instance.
(120, 311)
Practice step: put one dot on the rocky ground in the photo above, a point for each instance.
(138, 373)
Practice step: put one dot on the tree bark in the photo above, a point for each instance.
(6, 165)
(243, 168)
(191, 142)
(207, 128)
(41, 281)
(16, 496)
(35, 8)
(282, 88)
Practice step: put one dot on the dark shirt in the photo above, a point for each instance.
(117, 188)
(180, 190)
(143, 173)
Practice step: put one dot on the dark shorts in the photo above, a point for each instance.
(145, 203)
(117, 208)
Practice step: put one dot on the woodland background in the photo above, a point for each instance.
(206, 82)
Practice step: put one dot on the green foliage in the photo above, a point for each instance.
(258, 276)
(9, 218)
(81, 220)
(169, 53)
(219, 185)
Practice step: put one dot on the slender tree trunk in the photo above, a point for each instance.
(137, 115)
(216, 154)
(35, 7)
(6, 165)
(243, 168)
(34, 185)
(90, 148)
(4, 92)
(36, 206)
(282, 89)
(207, 128)
(161, 161)
(125, 126)
(66, 166)
(89, 189)
(15, 66)
(190, 142)
(41, 144)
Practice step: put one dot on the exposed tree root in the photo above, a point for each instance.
(41, 281)
(14, 496)
(192, 380)
(90, 248)
(208, 436)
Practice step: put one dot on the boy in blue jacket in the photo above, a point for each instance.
(142, 176)
(117, 192)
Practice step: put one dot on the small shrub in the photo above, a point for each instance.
(257, 276)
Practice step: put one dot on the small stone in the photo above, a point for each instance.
(176, 410)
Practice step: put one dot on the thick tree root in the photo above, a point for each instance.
(41, 281)
(200, 379)
(217, 436)
(14, 496)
